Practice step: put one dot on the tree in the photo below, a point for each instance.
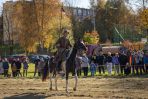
(91, 38)
(8, 26)
(37, 23)
(108, 15)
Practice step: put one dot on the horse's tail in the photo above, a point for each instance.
(45, 72)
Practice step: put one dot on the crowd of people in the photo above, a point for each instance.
(16, 66)
(132, 62)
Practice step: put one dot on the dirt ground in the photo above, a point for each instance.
(88, 88)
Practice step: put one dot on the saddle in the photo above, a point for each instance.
(64, 55)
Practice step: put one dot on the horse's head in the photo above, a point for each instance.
(79, 45)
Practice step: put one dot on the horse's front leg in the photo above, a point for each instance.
(66, 85)
(50, 81)
(66, 82)
(56, 78)
(76, 80)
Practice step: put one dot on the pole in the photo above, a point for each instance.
(94, 19)
(61, 16)
(143, 5)
(94, 16)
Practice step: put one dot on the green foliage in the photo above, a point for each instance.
(81, 26)
(5, 50)
(91, 38)
(113, 12)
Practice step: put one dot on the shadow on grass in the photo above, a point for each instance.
(123, 76)
(27, 96)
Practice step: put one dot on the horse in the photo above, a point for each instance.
(69, 66)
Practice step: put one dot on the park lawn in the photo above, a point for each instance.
(31, 69)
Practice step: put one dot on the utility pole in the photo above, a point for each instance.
(94, 15)
(143, 4)
(61, 16)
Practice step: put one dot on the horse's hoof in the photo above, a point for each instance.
(74, 89)
(67, 91)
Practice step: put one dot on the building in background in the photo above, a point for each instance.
(82, 13)
(9, 30)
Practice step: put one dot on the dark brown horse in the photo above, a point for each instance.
(68, 66)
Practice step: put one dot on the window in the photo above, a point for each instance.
(79, 12)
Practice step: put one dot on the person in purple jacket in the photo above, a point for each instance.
(116, 64)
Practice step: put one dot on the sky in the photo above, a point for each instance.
(78, 3)
(82, 3)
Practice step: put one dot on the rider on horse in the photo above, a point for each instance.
(62, 44)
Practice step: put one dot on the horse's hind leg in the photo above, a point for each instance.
(76, 81)
(56, 78)
(50, 81)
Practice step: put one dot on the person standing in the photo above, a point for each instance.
(145, 60)
(109, 63)
(18, 67)
(84, 64)
(25, 67)
(13, 68)
(137, 60)
(6, 67)
(133, 62)
(116, 64)
(100, 59)
(1, 66)
(141, 63)
(123, 60)
(41, 65)
(92, 68)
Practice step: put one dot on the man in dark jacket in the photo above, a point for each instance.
(5, 67)
(18, 66)
(123, 59)
(100, 59)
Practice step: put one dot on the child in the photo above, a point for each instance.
(92, 68)
(25, 67)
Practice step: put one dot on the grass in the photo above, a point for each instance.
(32, 68)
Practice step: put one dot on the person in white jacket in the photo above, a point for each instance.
(84, 64)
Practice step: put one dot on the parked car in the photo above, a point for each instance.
(21, 57)
(33, 58)
(45, 57)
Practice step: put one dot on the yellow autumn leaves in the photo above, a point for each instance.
(91, 38)
(144, 18)
(37, 23)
